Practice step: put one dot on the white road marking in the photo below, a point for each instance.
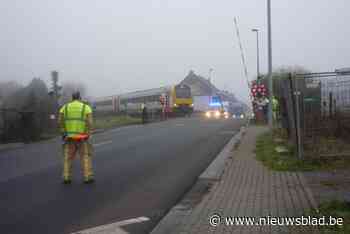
(227, 132)
(179, 125)
(102, 143)
(131, 221)
(116, 130)
(113, 228)
(122, 128)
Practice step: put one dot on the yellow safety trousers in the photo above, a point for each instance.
(70, 149)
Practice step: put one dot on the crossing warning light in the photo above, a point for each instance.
(258, 90)
(162, 99)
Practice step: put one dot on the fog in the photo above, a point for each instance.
(119, 46)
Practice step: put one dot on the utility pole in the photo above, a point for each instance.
(257, 53)
(55, 87)
(56, 90)
(269, 62)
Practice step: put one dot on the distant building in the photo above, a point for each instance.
(199, 85)
(203, 90)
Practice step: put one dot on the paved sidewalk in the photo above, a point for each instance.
(247, 188)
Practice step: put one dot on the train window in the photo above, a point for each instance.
(149, 99)
(140, 100)
(183, 92)
(104, 103)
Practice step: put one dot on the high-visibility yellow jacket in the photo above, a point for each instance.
(75, 119)
(275, 104)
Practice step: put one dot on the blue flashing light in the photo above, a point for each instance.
(215, 104)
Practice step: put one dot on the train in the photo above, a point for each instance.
(177, 100)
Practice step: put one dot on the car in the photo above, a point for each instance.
(238, 116)
(217, 113)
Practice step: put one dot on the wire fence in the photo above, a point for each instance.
(315, 111)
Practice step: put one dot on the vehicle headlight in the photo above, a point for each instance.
(192, 104)
(217, 113)
(242, 116)
(175, 104)
(234, 116)
(207, 114)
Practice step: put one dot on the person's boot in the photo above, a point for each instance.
(67, 181)
(89, 181)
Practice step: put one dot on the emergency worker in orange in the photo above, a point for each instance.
(75, 121)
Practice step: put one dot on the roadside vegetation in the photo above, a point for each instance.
(113, 121)
(28, 113)
(335, 209)
(287, 161)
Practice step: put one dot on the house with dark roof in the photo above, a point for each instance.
(201, 86)
(203, 89)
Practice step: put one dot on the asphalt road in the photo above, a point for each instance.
(141, 171)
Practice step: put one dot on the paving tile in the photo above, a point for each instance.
(248, 189)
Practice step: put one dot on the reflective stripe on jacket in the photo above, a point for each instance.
(275, 104)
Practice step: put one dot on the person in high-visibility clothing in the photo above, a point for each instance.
(75, 120)
(275, 107)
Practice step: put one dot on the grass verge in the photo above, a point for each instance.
(115, 121)
(266, 153)
(335, 209)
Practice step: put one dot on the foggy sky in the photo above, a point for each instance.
(117, 46)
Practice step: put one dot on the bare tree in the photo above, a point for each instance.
(296, 69)
(28, 111)
(8, 88)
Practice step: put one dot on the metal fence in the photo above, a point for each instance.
(315, 109)
(9, 125)
(18, 125)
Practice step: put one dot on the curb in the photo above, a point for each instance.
(216, 168)
(171, 221)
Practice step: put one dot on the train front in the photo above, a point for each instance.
(182, 99)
